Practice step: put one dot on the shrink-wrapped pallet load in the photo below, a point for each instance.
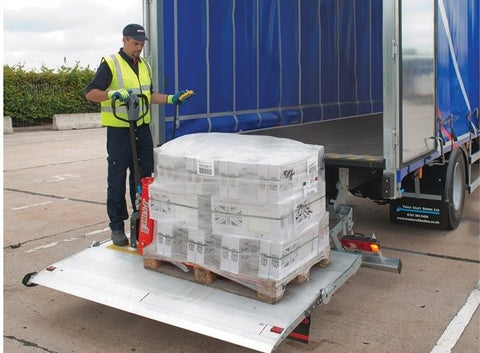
(249, 208)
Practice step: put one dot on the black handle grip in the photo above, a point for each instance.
(132, 104)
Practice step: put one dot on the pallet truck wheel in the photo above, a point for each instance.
(454, 192)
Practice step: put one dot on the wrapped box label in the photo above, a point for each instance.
(205, 168)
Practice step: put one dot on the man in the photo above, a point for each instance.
(118, 76)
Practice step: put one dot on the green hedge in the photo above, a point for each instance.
(31, 98)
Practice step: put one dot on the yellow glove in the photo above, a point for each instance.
(180, 97)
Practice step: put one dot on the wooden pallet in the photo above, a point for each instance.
(265, 290)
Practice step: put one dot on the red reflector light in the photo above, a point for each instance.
(360, 243)
(276, 329)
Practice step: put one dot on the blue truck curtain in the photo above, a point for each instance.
(458, 67)
(263, 63)
(255, 64)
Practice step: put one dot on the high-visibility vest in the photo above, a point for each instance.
(124, 77)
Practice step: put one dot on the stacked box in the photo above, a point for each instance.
(171, 241)
(181, 209)
(277, 222)
(240, 156)
(279, 259)
(185, 245)
(259, 190)
(202, 248)
(252, 207)
(262, 168)
(239, 254)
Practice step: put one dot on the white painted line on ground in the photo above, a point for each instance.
(97, 231)
(70, 239)
(62, 177)
(66, 240)
(43, 247)
(32, 205)
(455, 329)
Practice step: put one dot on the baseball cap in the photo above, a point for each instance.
(135, 31)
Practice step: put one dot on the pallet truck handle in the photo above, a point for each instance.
(132, 104)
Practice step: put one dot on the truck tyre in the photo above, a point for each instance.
(454, 192)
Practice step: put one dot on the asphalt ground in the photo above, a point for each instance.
(54, 206)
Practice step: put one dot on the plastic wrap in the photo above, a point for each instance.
(246, 207)
(240, 256)
(240, 156)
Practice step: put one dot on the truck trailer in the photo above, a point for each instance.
(390, 88)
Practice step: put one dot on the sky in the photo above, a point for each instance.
(53, 33)
(63, 32)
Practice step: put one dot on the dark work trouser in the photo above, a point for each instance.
(119, 161)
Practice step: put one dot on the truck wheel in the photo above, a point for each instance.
(454, 192)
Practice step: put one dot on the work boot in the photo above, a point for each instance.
(119, 238)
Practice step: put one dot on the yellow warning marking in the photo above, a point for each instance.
(125, 249)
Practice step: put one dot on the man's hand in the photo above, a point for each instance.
(121, 94)
(180, 97)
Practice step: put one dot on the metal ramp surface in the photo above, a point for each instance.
(116, 277)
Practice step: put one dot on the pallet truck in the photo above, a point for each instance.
(133, 104)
